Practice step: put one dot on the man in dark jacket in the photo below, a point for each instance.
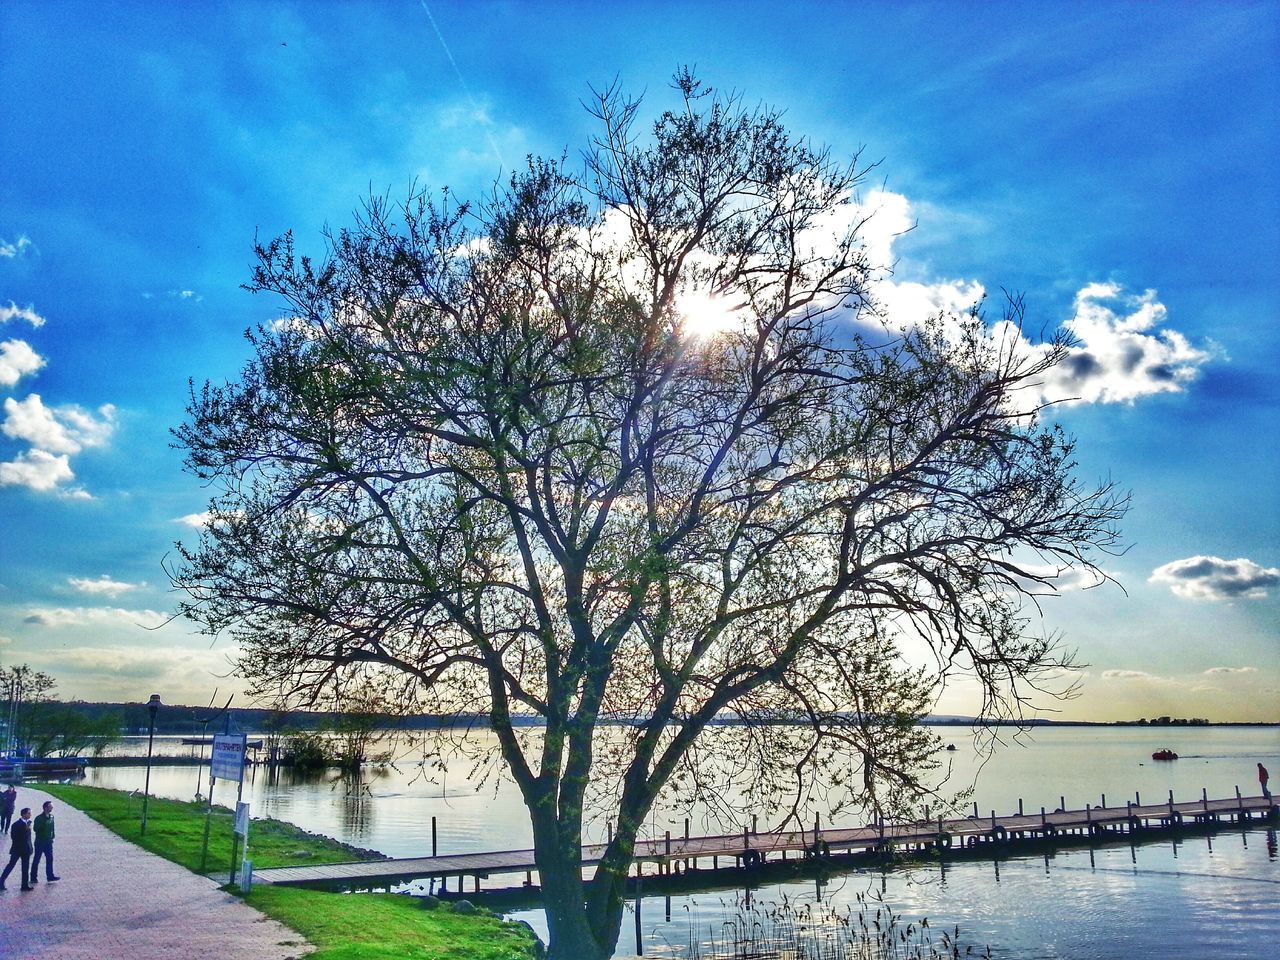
(8, 800)
(19, 848)
(43, 830)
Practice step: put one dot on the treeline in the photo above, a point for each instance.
(183, 720)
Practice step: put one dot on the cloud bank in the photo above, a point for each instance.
(1212, 578)
(52, 434)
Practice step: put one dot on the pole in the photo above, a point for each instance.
(235, 837)
(153, 705)
(208, 812)
(639, 897)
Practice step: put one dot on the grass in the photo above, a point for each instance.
(175, 831)
(387, 926)
(341, 926)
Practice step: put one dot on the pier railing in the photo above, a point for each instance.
(750, 849)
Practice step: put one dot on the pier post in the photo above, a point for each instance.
(666, 864)
(639, 897)
(1019, 806)
(1062, 804)
(975, 809)
(1137, 799)
(1044, 821)
(1104, 801)
(1171, 803)
(1239, 806)
(755, 824)
(1204, 799)
(433, 836)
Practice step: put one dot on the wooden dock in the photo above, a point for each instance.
(745, 850)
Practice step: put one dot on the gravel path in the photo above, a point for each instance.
(116, 901)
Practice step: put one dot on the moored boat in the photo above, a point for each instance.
(1165, 754)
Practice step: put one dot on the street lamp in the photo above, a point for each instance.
(153, 707)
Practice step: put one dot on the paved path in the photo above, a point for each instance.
(116, 901)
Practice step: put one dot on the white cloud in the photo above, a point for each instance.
(1214, 670)
(92, 616)
(197, 521)
(15, 249)
(17, 359)
(182, 294)
(66, 429)
(15, 312)
(1127, 675)
(104, 585)
(37, 470)
(1212, 578)
(1121, 355)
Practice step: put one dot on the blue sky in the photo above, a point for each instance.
(1114, 162)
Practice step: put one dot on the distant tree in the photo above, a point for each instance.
(361, 725)
(54, 729)
(22, 687)
(488, 452)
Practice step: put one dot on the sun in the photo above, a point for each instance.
(705, 315)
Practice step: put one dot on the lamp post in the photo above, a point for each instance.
(153, 706)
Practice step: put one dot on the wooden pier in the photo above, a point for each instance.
(998, 834)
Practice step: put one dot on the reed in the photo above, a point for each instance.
(789, 929)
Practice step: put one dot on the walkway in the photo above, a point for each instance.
(116, 901)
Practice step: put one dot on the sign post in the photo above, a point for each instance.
(226, 762)
(242, 830)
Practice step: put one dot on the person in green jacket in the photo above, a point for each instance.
(42, 827)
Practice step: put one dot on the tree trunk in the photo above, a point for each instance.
(569, 934)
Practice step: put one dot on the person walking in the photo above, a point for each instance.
(8, 800)
(1263, 777)
(42, 827)
(19, 848)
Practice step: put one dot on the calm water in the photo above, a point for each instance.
(1202, 898)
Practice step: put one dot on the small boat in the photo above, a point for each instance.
(951, 746)
(1165, 754)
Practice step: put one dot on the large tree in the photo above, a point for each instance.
(494, 456)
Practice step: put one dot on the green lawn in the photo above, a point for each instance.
(342, 927)
(175, 831)
(386, 926)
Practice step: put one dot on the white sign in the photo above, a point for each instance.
(242, 818)
(228, 757)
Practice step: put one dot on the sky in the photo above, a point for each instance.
(1112, 162)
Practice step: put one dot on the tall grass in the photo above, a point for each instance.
(789, 929)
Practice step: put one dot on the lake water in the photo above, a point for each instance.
(1202, 897)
